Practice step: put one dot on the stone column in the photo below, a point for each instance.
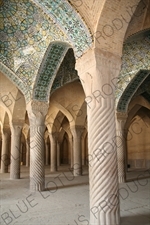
(21, 154)
(120, 142)
(98, 71)
(5, 155)
(46, 153)
(37, 112)
(70, 149)
(77, 151)
(27, 153)
(16, 130)
(58, 153)
(53, 143)
(83, 148)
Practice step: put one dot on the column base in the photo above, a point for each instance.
(53, 170)
(121, 179)
(36, 186)
(77, 170)
(77, 173)
(107, 218)
(14, 176)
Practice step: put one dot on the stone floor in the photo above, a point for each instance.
(66, 201)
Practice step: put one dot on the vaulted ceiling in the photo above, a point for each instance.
(41, 39)
(28, 28)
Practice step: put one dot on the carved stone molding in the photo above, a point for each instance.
(37, 112)
(121, 115)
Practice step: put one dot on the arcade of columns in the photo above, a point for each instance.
(103, 106)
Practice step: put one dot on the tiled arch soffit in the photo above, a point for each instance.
(135, 69)
(48, 70)
(27, 29)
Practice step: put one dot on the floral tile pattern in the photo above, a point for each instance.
(28, 27)
(48, 70)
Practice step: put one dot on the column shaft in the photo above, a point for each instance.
(37, 173)
(120, 141)
(27, 153)
(15, 151)
(53, 153)
(77, 151)
(5, 155)
(46, 154)
(58, 154)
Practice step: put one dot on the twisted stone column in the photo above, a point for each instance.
(5, 155)
(53, 141)
(120, 142)
(37, 112)
(101, 68)
(77, 151)
(16, 130)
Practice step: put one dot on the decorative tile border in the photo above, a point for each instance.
(66, 72)
(48, 69)
(136, 57)
(131, 88)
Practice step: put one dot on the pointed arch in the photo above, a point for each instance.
(16, 81)
(130, 90)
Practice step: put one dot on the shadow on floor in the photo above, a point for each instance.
(143, 219)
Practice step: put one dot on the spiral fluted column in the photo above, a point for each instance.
(5, 155)
(16, 130)
(103, 169)
(37, 112)
(53, 143)
(120, 142)
(77, 151)
(97, 70)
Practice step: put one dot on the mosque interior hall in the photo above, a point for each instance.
(75, 112)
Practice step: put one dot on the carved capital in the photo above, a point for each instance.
(41, 107)
(121, 118)
(37, 112)
(53, 136)
(6, 131)
(16, 129)
(121, 115)
(77, 131)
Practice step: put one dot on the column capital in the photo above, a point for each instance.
(37, 112)
(53, 136)
(121, 115)
(121, 118)
(6, 130)
(16, 128)
(77, 130)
